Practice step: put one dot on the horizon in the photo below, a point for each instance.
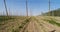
(18, 7)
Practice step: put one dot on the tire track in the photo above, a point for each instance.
(32, 27)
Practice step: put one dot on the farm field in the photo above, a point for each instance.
(29, 16)
(30, 24)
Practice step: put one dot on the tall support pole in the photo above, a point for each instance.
(27, 8)
(5, 7)
(49, 7)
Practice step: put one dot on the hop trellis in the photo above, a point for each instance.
(49, 4)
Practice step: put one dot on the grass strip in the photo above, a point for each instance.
(53, 22)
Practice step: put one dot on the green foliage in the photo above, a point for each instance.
(22, 25)
(5, 18)
(15, 31)
(54, 12)
(53, 22)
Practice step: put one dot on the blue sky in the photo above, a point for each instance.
(17, 7)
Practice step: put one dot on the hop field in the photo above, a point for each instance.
(30, 24)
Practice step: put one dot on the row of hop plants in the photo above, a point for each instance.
(52, 21)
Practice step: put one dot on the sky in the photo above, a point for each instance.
(35, 7)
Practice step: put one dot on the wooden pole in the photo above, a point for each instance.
(27, 8)
(5, 7)
(49, 7)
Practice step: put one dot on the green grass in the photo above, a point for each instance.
(5, 18)
(53, 22)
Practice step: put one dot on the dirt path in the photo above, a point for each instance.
(32, 27)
